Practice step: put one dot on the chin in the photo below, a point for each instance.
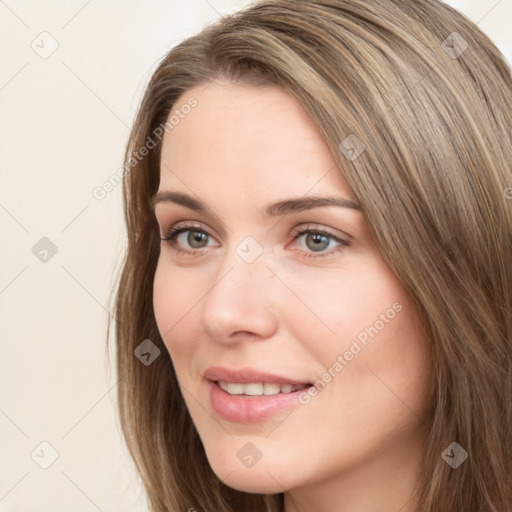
(262, 477)
(253, 482)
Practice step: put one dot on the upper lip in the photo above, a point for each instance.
(247, 375)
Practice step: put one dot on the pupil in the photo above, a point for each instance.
(195, 239)
(319, 241)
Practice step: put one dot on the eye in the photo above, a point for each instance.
(311, 241)
(188, 238)
(316, 242)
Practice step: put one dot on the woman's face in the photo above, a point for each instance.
(267, 289)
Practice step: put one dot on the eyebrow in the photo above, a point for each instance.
(276, 209)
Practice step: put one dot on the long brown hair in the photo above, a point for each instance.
(427, 98)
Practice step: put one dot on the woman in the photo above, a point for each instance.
(315, 308)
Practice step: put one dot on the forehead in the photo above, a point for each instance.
(253, 139)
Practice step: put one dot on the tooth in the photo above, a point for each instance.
(271, 389)
(231, 388)
(253, 389)
(235, 388)
(258, 389)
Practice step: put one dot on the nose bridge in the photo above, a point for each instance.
(244, 268)
(240, 299)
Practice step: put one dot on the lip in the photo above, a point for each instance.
(247, 376)
(249, 409)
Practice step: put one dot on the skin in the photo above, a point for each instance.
(296, 308)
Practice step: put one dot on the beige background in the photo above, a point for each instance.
(64, 121)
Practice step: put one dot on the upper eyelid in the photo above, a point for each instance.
(316, 228)
(296, 230)
(189, 226)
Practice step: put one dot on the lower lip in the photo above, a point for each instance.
(250, 409)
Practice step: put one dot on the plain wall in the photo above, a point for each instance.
(65, 119)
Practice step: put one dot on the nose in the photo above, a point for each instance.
(242, 302)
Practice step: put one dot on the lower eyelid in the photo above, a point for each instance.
(341, 245)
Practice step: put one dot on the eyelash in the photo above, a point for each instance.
(296, 233)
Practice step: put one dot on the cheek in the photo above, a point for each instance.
(375, 345)
(360, 301)
(173, 302)
(385, 374)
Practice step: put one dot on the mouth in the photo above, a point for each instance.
(251, 396)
